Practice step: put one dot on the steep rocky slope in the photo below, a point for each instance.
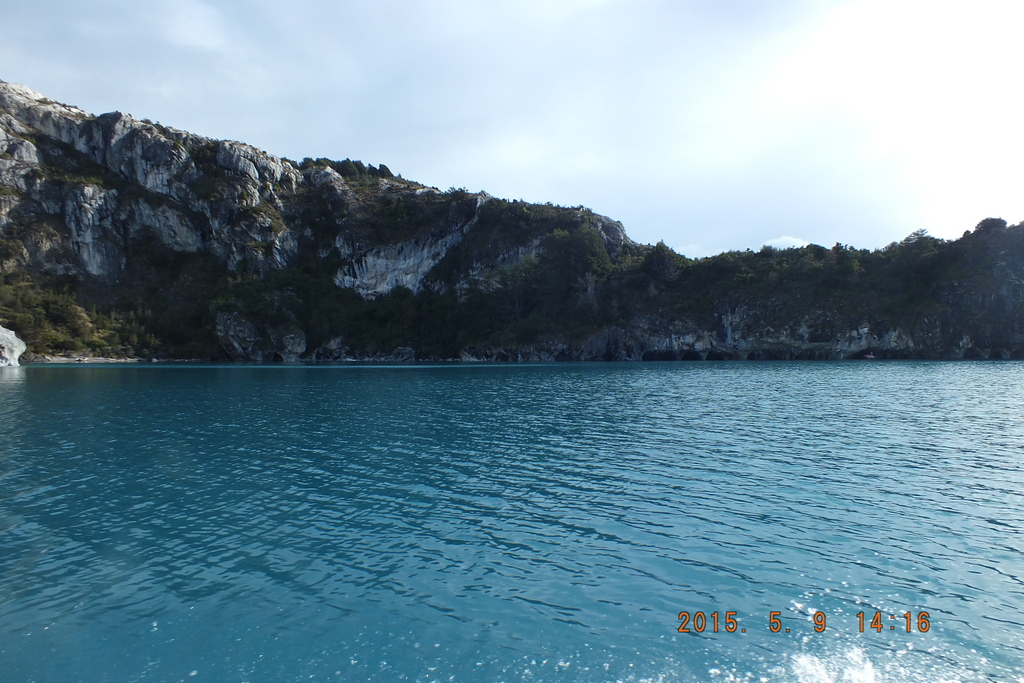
(125, 237)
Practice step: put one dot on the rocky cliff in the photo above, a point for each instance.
(121, 236)
(11, 348)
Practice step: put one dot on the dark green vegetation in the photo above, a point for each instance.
(164, 310)
(573, 289)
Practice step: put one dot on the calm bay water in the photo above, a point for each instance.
(512, 523)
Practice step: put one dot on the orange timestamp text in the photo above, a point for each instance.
(729, 622)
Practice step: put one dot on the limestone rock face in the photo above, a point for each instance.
(403, 354)
(740, 337)
(244, 340)
(288, 342)
(11, 348)
(613, 234)
(333, 349)
(381, 269)
(121, 181)
(239, 337)
(137, 178)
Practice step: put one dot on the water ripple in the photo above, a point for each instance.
(511, 523)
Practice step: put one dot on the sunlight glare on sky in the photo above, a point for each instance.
(932, 84)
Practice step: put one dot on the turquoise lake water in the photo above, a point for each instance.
(513, 523)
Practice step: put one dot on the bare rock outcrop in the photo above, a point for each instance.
(11, 348)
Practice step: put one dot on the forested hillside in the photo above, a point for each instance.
(121, 237)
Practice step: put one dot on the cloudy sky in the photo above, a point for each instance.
(709, 124)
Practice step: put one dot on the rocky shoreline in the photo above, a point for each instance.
(70, 360)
